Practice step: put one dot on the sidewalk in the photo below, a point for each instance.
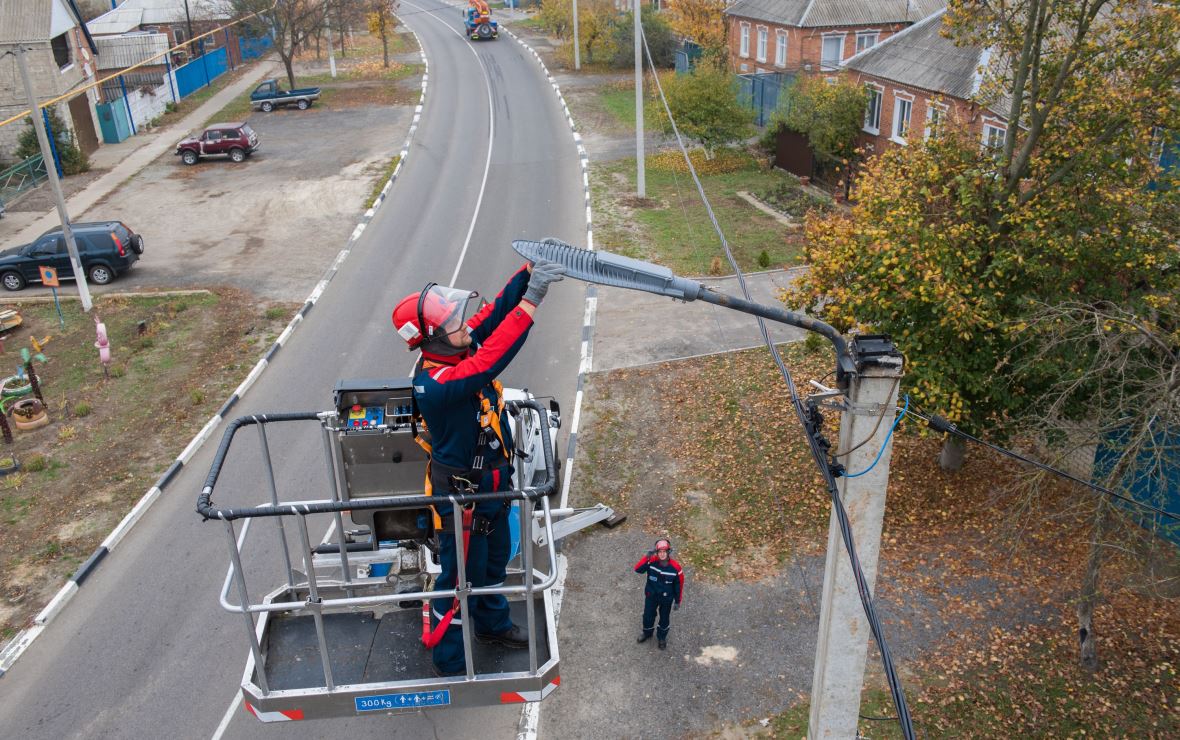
(635, 328)
(125, 160)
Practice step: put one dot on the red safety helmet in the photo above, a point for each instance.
(432, 313)
(667, 545)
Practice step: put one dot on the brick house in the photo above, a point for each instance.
(917, 79)
(61, 57)
(171, 18)
(813, 35)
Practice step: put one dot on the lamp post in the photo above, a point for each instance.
(640, 184)
(577, 43)
(51, 171)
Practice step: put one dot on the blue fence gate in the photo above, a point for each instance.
(200, 72)
(254, 48)
(762, 93)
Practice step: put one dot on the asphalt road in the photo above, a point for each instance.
(144, 650)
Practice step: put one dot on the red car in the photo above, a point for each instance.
(235, 140)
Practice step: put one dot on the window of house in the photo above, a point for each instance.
(744, 49)
(873, 112)
(994, 136)
(762, 33)
(833, 51)
(935, 118)
(743, 67)
(780, 49)
(61, 50)
(179, 36)
(866, 40)
(902, 110)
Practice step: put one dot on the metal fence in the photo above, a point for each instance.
(253, 48)
(21, 177)
(686, 57)
(200, 72)
(762, 93)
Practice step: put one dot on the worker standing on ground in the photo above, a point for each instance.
(470, 441)
(662, 592)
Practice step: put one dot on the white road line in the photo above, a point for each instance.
(229, 715)
(487, 166)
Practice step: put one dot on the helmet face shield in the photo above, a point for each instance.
(443, 311)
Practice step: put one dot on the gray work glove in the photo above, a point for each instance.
(544, 273)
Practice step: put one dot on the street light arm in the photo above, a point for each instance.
(605, 268)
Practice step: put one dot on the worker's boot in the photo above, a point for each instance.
(663, 645)
(514, 637)
(644, 637)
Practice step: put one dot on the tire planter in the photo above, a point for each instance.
(25, 421)
(15, 386)
(12, 466)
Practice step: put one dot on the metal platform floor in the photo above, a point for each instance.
(365, 649)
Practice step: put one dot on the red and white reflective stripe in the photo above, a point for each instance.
(517, 697)
(283, 715)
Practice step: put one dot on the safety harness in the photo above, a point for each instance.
(491, 441)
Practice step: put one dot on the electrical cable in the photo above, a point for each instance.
(883, 444)
(812, 428)
(941, 424)
(876, 426)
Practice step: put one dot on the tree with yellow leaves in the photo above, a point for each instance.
(949, 245)
(702, 22)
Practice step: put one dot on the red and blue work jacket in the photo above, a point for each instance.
(665, 580)
(450, 391)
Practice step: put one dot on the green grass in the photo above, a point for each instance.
(674, 230)
(380, 180)
(620, 103)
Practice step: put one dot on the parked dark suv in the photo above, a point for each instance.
(234, 140)
(106, 248)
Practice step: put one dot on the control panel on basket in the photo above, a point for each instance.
(374, 404)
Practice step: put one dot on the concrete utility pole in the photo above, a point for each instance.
(51, 170)
(577, 43)
(844, 632)
(331, 56)
(640, 185)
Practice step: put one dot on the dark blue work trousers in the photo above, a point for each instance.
(655, 603)
(487, 562)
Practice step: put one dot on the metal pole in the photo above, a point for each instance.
(331, 55)
(274, 501)
(335, 469)
(127, 105)
(462, 587)
(314, 603)
(244, 600)
(526, 549)
(577, 42)
(842, 648)
(43, 141)
(171, 77)
(640, 184)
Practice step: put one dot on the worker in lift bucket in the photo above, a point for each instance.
(661, 592)
(465, 344)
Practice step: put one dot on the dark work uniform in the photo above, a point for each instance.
(665, 585)
(448, 392)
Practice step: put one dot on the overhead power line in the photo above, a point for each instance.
(941, 424)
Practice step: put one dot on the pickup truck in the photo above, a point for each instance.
(268, 96)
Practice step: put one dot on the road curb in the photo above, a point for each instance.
(16, 647)
(530, 716)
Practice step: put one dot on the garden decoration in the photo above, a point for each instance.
(104, 346)
(12, 389)
(32, 373)
(5, 429)
(29, 414)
